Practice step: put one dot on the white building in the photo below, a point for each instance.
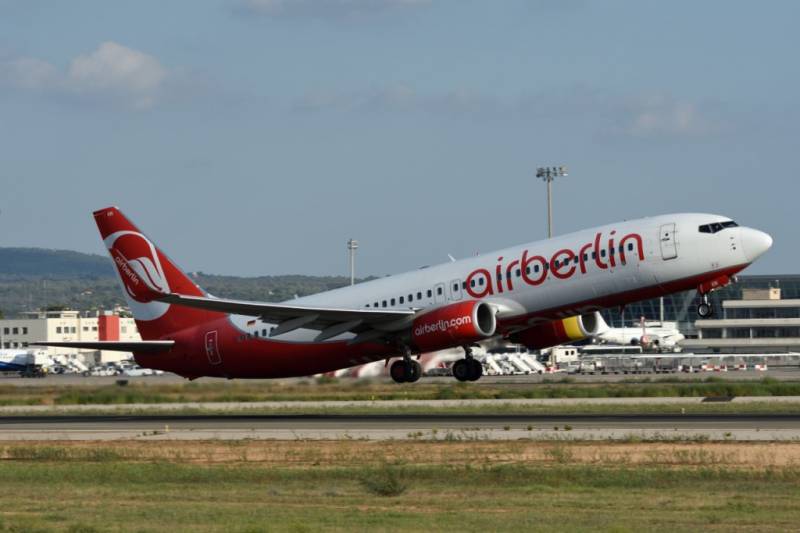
(53, 326)
(760, 322)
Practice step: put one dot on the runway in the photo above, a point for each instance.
(400, 427)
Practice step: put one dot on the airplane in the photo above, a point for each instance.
(538, 294)
(649, 334)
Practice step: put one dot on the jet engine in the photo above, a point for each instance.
(452, 325)
(559, 331)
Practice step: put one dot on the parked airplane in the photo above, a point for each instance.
(539, 294)
(649, 334)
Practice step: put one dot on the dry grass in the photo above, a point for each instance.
(399, 486)
(309, 454)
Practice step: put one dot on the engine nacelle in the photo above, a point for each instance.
(453, 325)
(557, 332)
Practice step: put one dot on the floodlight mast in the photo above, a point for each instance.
(352, 246)
(548, 174)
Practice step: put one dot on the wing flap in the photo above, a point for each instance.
(118, 346)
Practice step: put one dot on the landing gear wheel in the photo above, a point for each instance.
(405, 371)
(461, 370)
(705, 310)
(399, 372)
(475, 369)
(413, 371)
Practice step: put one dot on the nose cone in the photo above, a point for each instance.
(755, 243)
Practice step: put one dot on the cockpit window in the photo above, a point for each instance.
(717, 226)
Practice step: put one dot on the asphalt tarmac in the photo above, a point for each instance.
(381, 427)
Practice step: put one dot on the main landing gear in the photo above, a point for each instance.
(405, 370)
(469, 368)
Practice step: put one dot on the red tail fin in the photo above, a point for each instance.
(145, 272)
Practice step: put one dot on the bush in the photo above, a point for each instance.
(384, 482)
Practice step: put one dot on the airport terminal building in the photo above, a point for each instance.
(681, 307)
(69, 325)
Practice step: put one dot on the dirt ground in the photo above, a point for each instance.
(304, 454)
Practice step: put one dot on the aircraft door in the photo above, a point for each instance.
(669, 248)
(212, 348)
(438, 293)
(455, 289)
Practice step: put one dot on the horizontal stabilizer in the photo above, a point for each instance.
(118, 346)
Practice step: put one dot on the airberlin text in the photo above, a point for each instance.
(124, 269)
(442, 325)
(565, 263)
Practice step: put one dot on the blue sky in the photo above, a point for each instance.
(256, 136)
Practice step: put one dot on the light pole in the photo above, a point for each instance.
(548, 174)
(352, 246)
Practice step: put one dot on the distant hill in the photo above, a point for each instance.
(26, 263)
(33, 278)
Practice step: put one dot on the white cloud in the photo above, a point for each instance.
(28, 73)
(111, 72)
(327, 9)
(665, 116)
(118, 70)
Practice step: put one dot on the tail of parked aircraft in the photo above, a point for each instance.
(146, 273)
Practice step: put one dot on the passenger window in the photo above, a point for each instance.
(455, 286)
(594, 255)
(419, 296)
(410, 298)
(384, 303)
(393, 301)
(472, 283)
(480, 280)
(376, 304)
(528, 269)
(439, 291)
(430, 292)
(518, 273)
(402, 299)
(602, 253)
(464, 285)
(630, 246)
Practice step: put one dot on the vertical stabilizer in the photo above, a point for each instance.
(146, 273)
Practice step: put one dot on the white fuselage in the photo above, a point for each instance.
(563, 276)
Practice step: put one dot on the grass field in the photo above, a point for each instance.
(244, 391)
(408, 486)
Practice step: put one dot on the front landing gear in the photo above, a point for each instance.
(406, 370)
(705, 309)
(467, 369)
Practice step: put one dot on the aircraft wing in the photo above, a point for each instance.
(330, 321)
(118, 346)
